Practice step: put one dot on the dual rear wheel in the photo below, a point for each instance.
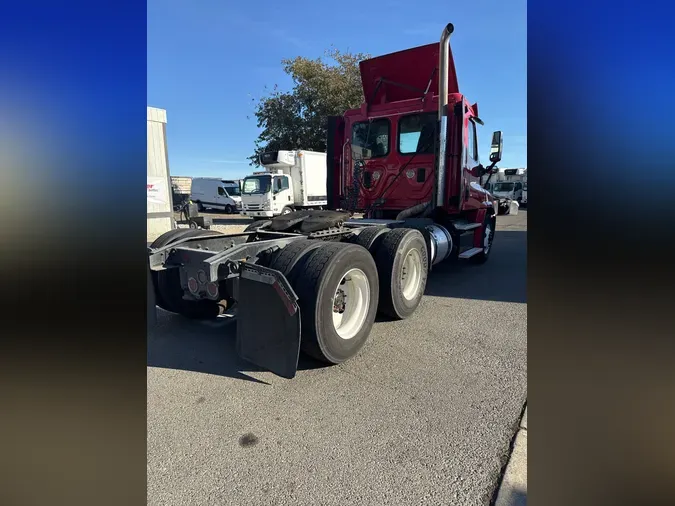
(338, 290)
(341, 286)
(402, 264)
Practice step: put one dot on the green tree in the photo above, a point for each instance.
(297, 119)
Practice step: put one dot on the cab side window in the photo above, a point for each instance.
(472, 148)
(519, 186)
(221, 191)
(282, 183)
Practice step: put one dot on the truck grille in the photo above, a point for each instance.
(253, 207)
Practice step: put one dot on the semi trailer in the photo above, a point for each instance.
(313, 280)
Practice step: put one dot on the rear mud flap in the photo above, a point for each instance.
(268, 320)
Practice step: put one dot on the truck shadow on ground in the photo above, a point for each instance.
(502, 278)
(205, 347)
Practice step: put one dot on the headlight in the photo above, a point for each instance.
(266, 205)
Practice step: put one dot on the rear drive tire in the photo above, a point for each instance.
(291, 256)
(167, 237)
(171, 291)
(402, 264)
(370, 238)
(338, 290)
(163, 240)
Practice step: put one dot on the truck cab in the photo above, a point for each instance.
(508, 189)
(292, 180)
(267, 194)
(411, 149)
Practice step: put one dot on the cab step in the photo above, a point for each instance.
(464, 226)
(470, 252)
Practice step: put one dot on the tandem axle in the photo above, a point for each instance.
(315, 283)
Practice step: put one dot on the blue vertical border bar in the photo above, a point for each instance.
(72, 174)
(601, 154)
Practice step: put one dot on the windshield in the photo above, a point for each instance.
(257, 185)
(503, 187)
(233, 191)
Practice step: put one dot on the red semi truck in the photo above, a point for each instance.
(314, 280)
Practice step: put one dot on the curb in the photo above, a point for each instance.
(513, 487)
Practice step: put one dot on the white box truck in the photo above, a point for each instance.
(216, 193)
(292, 180)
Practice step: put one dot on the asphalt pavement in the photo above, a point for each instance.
(423, 415)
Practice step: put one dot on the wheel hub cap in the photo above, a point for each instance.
(411, 274)
(351, 303)
(487, 239)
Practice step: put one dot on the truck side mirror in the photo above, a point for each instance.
(496, 148)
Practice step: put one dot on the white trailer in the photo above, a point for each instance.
(292, 180)
(159, 194)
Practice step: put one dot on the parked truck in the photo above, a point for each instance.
(509, 190)
(291, 181)
(216, 193)
(313, 280)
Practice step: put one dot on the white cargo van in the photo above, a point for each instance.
(216, 193)
(292, 180)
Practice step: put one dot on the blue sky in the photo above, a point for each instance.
(207, 59)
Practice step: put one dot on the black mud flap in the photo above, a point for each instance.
(268, 320)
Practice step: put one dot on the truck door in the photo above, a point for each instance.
(472, 195)
(223, 198)
(282, 195)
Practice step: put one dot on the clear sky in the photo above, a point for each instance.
(207, 59)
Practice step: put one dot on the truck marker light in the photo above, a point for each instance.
(193, 286)
(212, 290)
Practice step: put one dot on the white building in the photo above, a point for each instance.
(159, 195)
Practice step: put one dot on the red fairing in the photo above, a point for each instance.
(412, 67)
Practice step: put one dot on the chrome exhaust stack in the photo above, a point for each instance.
(444, 58)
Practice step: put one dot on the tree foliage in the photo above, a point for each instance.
(297, 119)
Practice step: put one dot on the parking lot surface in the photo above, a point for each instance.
(423, 415)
